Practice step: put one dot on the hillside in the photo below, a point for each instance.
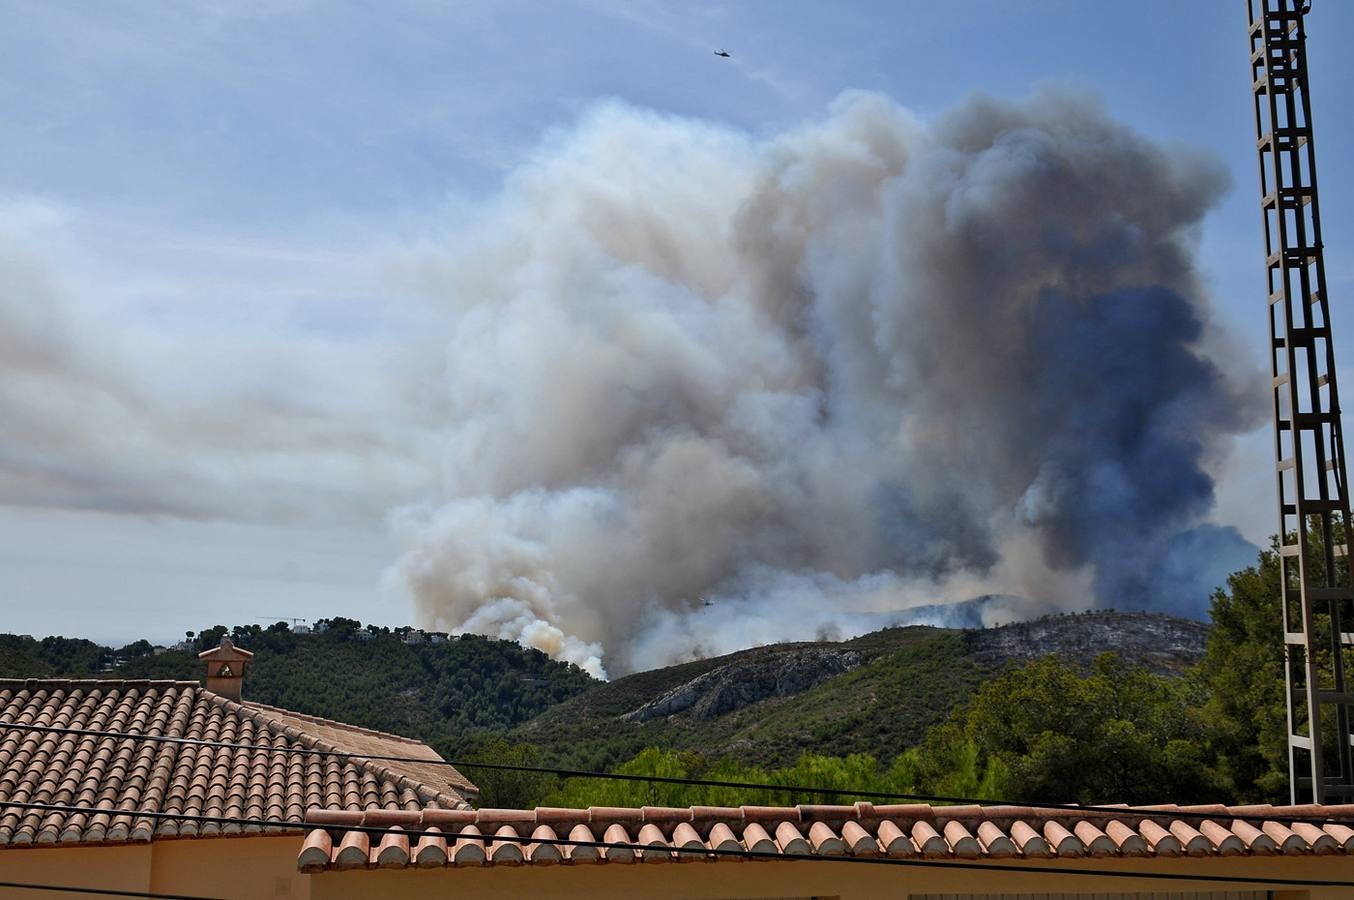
(377, 680)
(1167, 645)
(23, 656)
(875, 694)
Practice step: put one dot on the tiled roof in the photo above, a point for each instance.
(126, 774)
(473, 837)
(435, 774)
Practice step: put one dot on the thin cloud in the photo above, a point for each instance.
(111, 404)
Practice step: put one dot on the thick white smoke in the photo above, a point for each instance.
(706, 390)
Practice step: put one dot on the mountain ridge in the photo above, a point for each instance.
(877, 693)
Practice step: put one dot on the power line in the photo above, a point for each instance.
(106, 892)
(691, 782)
(702, 851)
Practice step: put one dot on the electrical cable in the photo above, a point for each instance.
(1146, 812)
(105, 892)
(702, 851)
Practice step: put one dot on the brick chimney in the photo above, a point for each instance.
(225, 668)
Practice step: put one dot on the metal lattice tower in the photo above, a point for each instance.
(1317, 601)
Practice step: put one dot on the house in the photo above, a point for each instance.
(843, 852)
(295, 762)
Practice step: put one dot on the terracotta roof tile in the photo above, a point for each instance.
(353, 852)
(928, 840)
(487, 837)
(120, 775)
(376, 743)
(544, 853)
(894, 840)
(581, 832)
(721, 837)
(509, 852)
(825, 841)
(858, 841)
(686, 837)
(430, 851)
(1194, 843)
(1128, 841)
(1159, 840)
(790, 841)
(755, 838)
(1096, 842)
(962, 844)
(469, 848)
(1343, 835)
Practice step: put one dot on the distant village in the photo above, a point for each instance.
(405, 633)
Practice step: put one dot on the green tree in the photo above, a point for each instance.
(858, 771)
(950, 764)
(1044, 731)
(211, 637)
(136, 648)
(505, 788)
(1242, 672)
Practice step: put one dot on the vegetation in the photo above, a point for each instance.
(505, 788)
(459, 687)
(1242, 671)
(22, 656)
(919, 714)
(1044, 731)
(909, 679)
(858, 771)
(1041, 731)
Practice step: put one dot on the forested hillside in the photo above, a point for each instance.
(1027, 732)
(1160, 703)
(22, 656)
(875, 694)
(1180, 711)
(377, 680)
(879, 693)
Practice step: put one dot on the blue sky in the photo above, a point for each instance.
(222, 193)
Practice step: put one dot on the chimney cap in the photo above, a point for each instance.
(227, 652)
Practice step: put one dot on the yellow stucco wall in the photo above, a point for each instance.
(238, 868)
(843, 881)
(118, 868)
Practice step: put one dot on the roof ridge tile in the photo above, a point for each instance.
(102, 682)
(486, 837)
(320, 720)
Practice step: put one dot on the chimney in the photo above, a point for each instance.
(225, 668)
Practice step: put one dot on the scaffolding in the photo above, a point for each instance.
(1316, 596)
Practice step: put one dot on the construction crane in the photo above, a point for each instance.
(294, 620)
(1317, 598)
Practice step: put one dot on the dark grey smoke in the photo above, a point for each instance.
(709, 391)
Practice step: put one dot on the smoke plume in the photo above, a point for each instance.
(707, 390)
